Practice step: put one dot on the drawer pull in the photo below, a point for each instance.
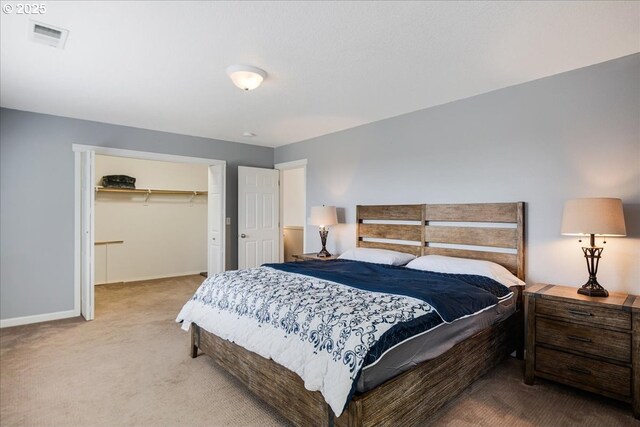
(579, 370)
(575, 338)
(580, 313)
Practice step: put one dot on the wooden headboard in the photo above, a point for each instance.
(486, 231)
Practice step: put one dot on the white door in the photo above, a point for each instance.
(87, 159)
(258, 216)
(215, 220)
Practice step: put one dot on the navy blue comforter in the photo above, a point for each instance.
(452, 295)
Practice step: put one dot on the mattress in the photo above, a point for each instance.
(431, 344)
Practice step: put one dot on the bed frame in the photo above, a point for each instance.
(413, 396)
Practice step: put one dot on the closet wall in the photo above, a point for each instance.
(163, 237)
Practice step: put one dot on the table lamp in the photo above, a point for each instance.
(323, 216)
(593, 217)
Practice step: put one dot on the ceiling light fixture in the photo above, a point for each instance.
(246, 77)
(248, 134)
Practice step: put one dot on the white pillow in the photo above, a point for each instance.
(447, 264)
(377, 256)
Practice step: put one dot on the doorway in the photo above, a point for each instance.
(293, 176)
(258, 216)
(85, 213)
(153, 228)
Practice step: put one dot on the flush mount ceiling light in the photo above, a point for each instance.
(246, 77)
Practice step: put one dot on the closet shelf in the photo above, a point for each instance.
(149, 191)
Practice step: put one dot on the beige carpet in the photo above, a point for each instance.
(130, 367)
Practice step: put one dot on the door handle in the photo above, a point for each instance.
(579, 370)
(576, 338)
(579, 313)
(243, 235)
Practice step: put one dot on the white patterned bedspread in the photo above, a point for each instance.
(318, 329)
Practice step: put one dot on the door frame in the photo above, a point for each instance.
(295, 164)
(223, 217)
(80, 259)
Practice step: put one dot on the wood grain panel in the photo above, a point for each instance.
(412, 397)
(594, 341)
(532, 289)
(594, 315)
(509, 261)
(518, 291)
(583, 372)
(478, 236)
(635, 355)
(473, 212)
(389, 212)
(520, 240)
(408, 249)
(195, 341)
(614, 301)
(391, 231)
(269, 381)
(493, 237)
(529, 363)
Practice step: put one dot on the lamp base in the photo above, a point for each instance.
(593, 289)
(324, 253)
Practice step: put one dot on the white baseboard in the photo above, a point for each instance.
(37, 318)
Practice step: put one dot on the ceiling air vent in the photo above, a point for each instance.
(47, 34)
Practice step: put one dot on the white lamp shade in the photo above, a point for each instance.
(246, 77)
(323, 215)
(600, 216)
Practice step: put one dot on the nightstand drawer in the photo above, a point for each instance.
(571, 336)
(598, 316)
(577, 370)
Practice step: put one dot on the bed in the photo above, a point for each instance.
(410, 397)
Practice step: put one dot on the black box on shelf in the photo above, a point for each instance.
(118, 181)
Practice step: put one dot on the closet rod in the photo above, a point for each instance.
(108, 242)
(149, 191)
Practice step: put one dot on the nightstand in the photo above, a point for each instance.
(307, 257)
(585, 342)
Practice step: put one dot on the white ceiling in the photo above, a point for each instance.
(331, 65)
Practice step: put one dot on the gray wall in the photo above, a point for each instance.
(576, 134)
(37, 199)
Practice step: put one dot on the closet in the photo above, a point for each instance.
(158, 229)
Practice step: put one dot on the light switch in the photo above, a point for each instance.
(228, 221)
